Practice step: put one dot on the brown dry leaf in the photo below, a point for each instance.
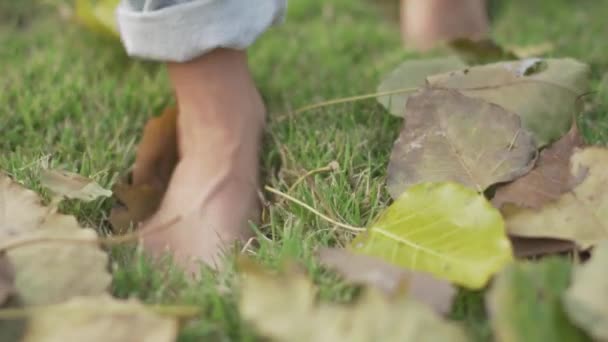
(136, 204)
(72, 185)
(99, 319)
(284, 308)
(451, 137)
(391, 280)
(531, 247)
(549, 179)
(157, 152)
(50, 271)
(7, 279)
(543, 92)
(580, 215)
(157, 155)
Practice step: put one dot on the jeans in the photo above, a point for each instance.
(180, 30)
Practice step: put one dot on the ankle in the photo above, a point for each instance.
(208, 76)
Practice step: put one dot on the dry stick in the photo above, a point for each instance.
(107, 241)
(347, 100)
(176, 311)
(313, 210)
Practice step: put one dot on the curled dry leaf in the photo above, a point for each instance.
(72, 185)
(371, 318)
(445, 229)
(157, 155)
(549, 179)
(391, 280)
(579, 215)
(586, 301)
(525, 303)
(544, 92)
(136, 204)
(48, 271)
(99, 319)
(450, 137)
(412, 74)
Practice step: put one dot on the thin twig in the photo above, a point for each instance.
(347, 100)
(313, 210)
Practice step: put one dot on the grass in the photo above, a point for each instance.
(74, 101)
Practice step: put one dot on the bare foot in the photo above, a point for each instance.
(424, 23)
(213, 189)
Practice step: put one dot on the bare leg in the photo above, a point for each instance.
(213, 189)
(424, 23)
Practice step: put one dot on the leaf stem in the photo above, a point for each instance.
(313, 210)
(348, 99)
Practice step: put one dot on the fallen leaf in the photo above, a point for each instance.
(135, 204)
(157, 152)
(157, 155)
(550, 178)
(474, 52)
(99, 16)
(48, 271)
(586, 301)
(51, 272)
(579, 215)
(72, 185)
(372, 317)
(525, 303)
(445, 229)
(7, 279)
(412, 74)
(389, 279)
(543, 92)
(450, 137)
(100, 319)
(532, 247)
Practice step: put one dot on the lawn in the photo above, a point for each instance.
(74, 101)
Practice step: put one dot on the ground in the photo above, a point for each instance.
(77, 102)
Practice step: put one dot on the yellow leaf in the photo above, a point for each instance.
(445, 229)
(99, 16)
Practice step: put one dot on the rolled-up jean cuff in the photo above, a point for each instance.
(183, 30)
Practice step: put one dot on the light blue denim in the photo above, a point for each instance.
(180, 30)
